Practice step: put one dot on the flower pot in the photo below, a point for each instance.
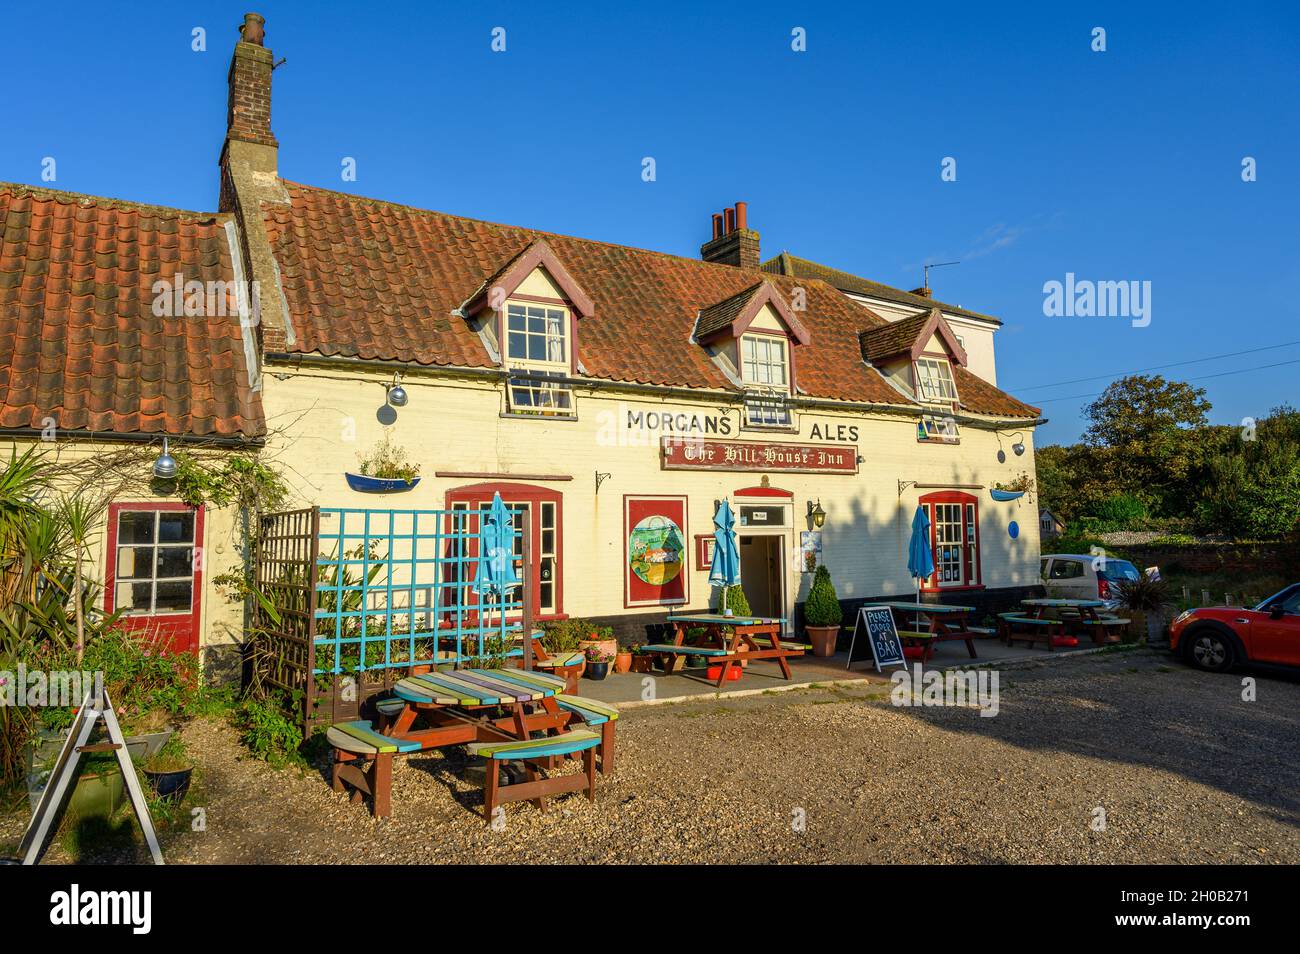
(148, 744)
(622, 662)
(379, 485)
(823, 639)
(597, 670)
(98, 794)
(606, 647)
(170, 785)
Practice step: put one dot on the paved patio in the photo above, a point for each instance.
(630, 689)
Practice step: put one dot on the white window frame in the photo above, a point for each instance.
(938, 429)
(938, 387)
(152, 579)
(529, 395)
(764, 360)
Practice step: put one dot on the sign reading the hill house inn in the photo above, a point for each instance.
(699, 454)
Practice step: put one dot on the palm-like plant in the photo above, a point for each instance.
(79, 516)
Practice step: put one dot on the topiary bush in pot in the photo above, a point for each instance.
(822, 614)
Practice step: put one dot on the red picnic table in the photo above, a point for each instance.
(742, 644)
(944, 623)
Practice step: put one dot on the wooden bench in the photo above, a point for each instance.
(1105, 629)
(1031, 630)
(594, 713)
(537, 788)
(358, 742)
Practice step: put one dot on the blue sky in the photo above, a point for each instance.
(1122, 165)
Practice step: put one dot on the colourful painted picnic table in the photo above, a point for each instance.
(742, 644)
(1098, 629)
(945, 621)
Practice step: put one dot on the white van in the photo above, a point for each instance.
(1075, 576)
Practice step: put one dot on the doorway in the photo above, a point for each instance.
(762, 573)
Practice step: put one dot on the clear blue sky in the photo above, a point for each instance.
(1122, 165)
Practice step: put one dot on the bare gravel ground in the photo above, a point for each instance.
(1185, 770)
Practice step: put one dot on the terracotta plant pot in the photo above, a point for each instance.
(823, 639)
(607, 647)
(622, 662)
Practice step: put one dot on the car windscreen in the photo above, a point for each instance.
(1116, 570)
(1282, 596)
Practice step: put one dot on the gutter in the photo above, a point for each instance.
(111, 437)
(600, 384)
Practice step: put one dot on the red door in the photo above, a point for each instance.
(1277, 640)
(541, 511)
(154, 574)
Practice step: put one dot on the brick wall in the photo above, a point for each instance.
(1227, 558)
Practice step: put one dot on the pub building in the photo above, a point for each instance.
(614, 394)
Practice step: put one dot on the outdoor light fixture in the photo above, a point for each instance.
(1019, 446)
(164, 468)
(817, 513)
(396, 393)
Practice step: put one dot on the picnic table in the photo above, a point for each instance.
(944, 623)
(1098, 627)
(746, 634)
(452, 703)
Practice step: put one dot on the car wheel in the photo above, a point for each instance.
(1209, 649)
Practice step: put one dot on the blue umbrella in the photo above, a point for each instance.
(496, 563)
(920, 558)
(725, 570)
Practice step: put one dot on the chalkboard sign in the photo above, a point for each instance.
(875, 638)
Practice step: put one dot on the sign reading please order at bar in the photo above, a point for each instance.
(692, 454)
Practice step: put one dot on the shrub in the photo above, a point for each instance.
(388, 461)
(823, 607)
(1121, 512)
(268, 730)
(736, 601)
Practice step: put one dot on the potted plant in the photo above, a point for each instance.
(623, 660)
(598, 663)
(1144, 600)
(602, 638)
(384, 470)
(822, 614)
(169, 771)
(640, 661)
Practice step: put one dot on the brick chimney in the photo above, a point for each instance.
(249, 175)
(250, 146)
(248, 114)
(923, 291)
(733, 242)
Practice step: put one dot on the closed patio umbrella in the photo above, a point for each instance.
(496, 564)
(725, 570)
(920, 557)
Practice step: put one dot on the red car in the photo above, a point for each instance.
(1220, 637)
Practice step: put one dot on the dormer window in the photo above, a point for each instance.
(537, 354)
(934, 383)
(763, 361)
(533, 333)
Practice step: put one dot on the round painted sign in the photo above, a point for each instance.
(1013, 528)
(655, 550)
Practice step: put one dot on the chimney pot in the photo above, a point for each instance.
(730, 215)
(742, 214)
(253, 29)
(717, 225)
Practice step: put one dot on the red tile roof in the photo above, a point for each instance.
(376, 280)
(79, 343)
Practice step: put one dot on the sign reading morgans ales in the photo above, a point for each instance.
(684, 453)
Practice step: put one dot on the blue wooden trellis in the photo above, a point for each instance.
(394, 589)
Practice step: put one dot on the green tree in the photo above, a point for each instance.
(1252, 488)
(1153, 430)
